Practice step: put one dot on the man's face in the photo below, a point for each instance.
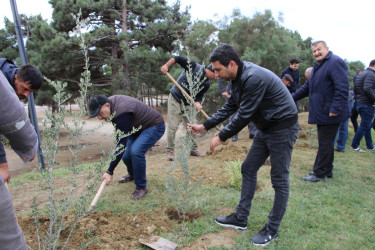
(105, 112)
(286, 82)
(210, 75)
(23, 89)
(294, 66)
(320, 52)
(225, 73)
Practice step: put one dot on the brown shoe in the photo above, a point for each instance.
(126, 178)
(139, 193)
(170, 156)
(196, 153)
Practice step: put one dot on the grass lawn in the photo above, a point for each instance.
(336, 214)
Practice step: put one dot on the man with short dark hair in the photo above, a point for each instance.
(293, 71)
(328, 91)
(16, 127)
(130, 113)
(364, 89)
(260, 96)
(177, 102)
(24, 80)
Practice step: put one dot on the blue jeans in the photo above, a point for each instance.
(367, 112)
(342, 136)
(136, 148)
(278, 145)
(342, 133)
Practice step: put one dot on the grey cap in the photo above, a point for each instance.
(289, 78)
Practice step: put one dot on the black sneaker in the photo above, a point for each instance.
(264, 237)
(232, 221)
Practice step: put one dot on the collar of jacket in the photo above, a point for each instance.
(239, 73)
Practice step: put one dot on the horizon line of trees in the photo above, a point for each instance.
(129, 40)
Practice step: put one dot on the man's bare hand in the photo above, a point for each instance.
(332, 114)
(4, 172)
(107, 178)
(164, 69)
(225, 94)
(198, 106)
(195, 128)
(215, 142)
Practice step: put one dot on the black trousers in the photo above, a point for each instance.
(324, 158)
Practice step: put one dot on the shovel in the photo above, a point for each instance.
(158, 243)
(96, 198)
(185, 93)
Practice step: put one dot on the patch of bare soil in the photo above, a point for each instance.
(179, 217)
(120, 231)
(224, 239)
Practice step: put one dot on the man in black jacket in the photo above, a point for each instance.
(177, 101)
(260, 96)
(364, 89)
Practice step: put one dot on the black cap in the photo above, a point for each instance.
(95, 104)
(209, 67)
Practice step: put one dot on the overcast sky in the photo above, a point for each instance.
(348, 27)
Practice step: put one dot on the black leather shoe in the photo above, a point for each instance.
(139, 193)
(126, 178)
(313, 178)
(330, 175)
(232, 221)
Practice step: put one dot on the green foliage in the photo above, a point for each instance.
(236, 175)
(181, 190)
(80, 186)
(201, 40)
(352, 68)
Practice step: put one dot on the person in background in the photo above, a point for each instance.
(260, 96)
(354, 113)
(328, 91)
(293, 71)
(308, 72)
(364, 89)
(177, 100)
(130, 113)
(225, 92)
(287, 80)
(16, 127)
(342, 132)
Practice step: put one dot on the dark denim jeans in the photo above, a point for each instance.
(342, 133)
(279, 146)
(136, 148)
(367, 112)
(342, 136)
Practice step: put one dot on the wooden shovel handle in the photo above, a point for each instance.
(185, 93)
(96, 198)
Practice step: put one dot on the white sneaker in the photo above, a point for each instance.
(359, 150)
